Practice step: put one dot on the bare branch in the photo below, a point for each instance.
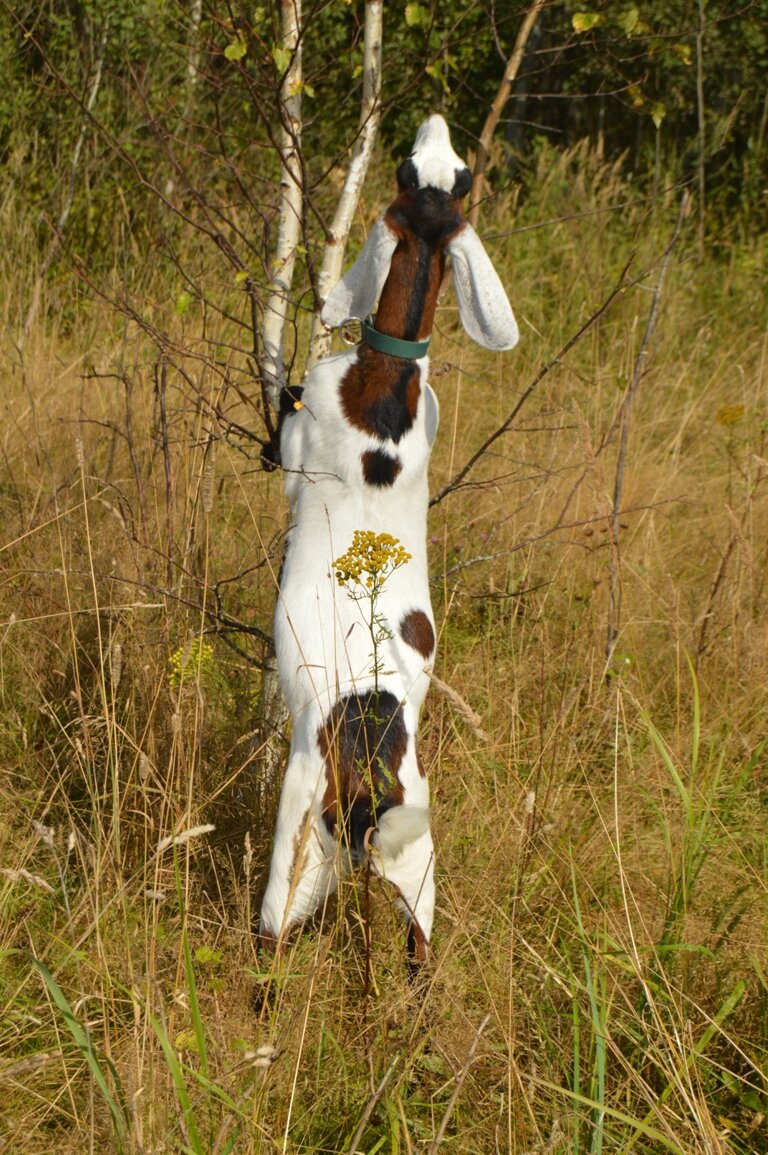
(502, 96)
(458, 1085)
(336, 240)
(559, 526)
(369, 1106)
(618, 291)
(614, 601)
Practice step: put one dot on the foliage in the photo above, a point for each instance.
(642, 64)
(186, 106)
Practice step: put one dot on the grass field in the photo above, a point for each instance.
(599, 979)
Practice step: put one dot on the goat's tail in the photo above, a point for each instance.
(398, 827)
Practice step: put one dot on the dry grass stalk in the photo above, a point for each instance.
(624, 419)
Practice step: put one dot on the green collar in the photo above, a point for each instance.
(394, 346)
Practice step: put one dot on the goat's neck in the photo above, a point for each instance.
(409, 297)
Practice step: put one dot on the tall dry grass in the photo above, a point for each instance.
(599, 973)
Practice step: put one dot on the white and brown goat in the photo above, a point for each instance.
(355, 453)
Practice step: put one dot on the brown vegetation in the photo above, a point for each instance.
(599, 973)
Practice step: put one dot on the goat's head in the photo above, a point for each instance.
(432, 182)
(433, 165)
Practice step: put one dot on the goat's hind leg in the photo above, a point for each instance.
(301, 873)
(412, 875)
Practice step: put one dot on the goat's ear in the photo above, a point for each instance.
(483, 306)
(357, 292)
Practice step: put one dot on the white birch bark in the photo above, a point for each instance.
(290, 209)
(290, 206)
(370, 112)
(193, 60)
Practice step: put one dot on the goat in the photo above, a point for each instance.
(355, 445)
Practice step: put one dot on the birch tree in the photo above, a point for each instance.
(291, 200)
(290, 211)
(290, 217)
(362, 150)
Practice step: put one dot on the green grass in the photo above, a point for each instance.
(598, 980)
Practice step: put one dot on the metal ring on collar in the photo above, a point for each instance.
(342, 326)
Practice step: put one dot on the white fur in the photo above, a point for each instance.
(322, 636)
(433, 155)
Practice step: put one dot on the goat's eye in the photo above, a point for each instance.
(407, 176)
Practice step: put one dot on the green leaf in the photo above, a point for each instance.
(236, 50)
(439, 71)
(205, 954)
(415, 14)
(182, 303)
(281, 57)
(629, 19)
(658, 112)
(585, 21)
(182, 1091)
(82, 1038)
(198, 1032)
(241, 275)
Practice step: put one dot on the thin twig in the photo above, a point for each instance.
(161, 382)
(542, 535)
(457, 1086)
(221, 623)
(714, 590)
(94, 83)
(618, 291)
(369, 1106)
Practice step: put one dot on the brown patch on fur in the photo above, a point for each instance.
(363, 742)
(417, 632)
(379, 468)
(380, 394)
(424, 221)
